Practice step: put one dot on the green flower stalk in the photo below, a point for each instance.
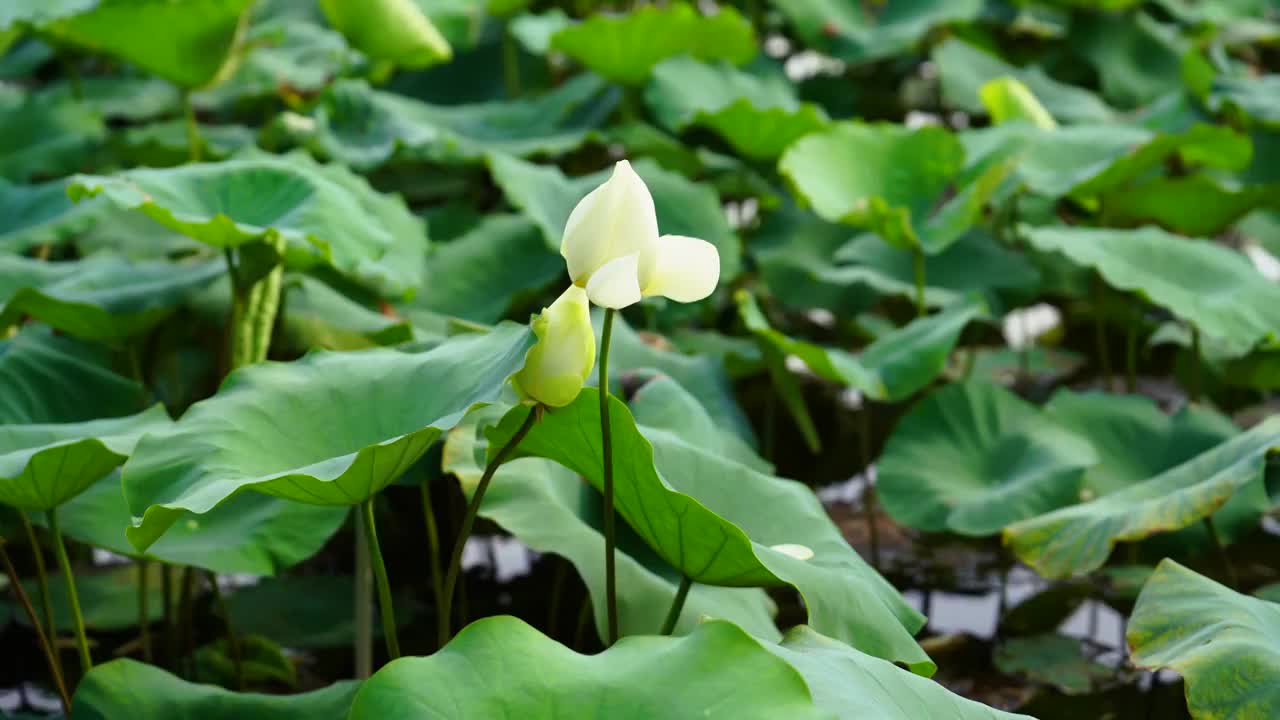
(613, 251)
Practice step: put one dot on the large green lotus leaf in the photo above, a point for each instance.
(341, 427)
(550, 509)
(1085, 161)
(325, 212)
(1200, 145)
(475, 276)
(45, 135)
(108, 298)
(702, 376)
(1214, 288)
(759, 116)
(320, 317)
(1134, 439)
(250, 533)
(1254, 98)
(1078, 539)
(1193, 205)
(665, 404)
(394, 31)
(892, 180)
(32, 215)
(187, 43)
(127, 97)
(976, 263)
(365, 127)
(547, 196)
(1052, 659)
(964, 69)
(859, 32)
(45, 465)
(890, 369)
(717, 671)
(1137, 59)
(624, 48)
(124, 688)
(53, 379)
(1224, 644)
(973, 457)
(852, 685)
(702, 514)
(283, 56)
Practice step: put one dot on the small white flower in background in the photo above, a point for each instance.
(799, 552)
(613, 250)
(1023, 327)
(558, 364)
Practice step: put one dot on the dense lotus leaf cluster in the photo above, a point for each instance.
(385, 358)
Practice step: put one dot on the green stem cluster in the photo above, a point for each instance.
(254, 307)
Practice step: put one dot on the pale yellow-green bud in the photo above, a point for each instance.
(1008, 99)
(556, 367)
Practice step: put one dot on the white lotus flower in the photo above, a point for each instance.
(613, 250)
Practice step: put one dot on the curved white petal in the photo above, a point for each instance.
(615, 219)
(685, 269)
(617, 283)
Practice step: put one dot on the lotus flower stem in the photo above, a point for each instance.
(363, 601)
(55, 668)
(42, 580)
(444, 622)
(82, 640)
(606, 449)
(677, 605)
(433, 546)
(386, 609)
(144, 613)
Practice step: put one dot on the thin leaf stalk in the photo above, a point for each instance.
(444, 622)
(677, 605)
(42, 580)
(64, 564)
(50, 654)
(386, 608)
(433, 546)
(363, 600)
